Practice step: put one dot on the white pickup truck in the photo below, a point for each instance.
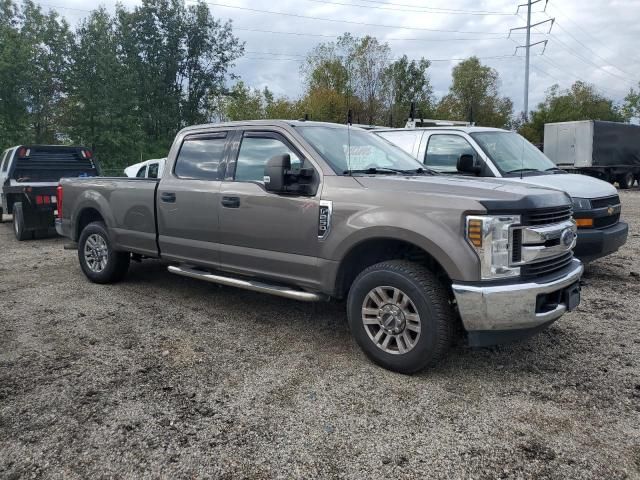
(493, 152)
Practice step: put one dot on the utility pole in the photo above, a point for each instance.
(528, 46)
(526, 68)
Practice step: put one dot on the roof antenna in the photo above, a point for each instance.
(411, 123)
(349, 122)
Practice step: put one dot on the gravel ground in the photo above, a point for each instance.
(164, 376)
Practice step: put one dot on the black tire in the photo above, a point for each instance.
(117, 263)
(429, 299)
(1, 215)
(626, 180)
(19, 229)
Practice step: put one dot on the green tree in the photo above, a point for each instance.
(631, 106)
(242, 103)
(348, 74)
(406, 82)
(48, 40)
(14, 53)
(580, 102)
(474, 94)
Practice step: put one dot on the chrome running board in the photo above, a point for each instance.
(252, 285)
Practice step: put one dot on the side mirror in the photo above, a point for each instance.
(468, 164)
(275, 172)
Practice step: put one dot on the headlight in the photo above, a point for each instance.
(490, 237)
(581, 203)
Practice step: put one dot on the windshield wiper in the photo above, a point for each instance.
(555, 170)
(420, 171)
(373, 171)
(386, 170)
(518, 170)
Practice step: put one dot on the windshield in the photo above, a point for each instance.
(512, 153)
(363, 151)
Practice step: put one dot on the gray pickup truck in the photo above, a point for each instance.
(313, 211)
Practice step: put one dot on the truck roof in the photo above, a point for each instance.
(270, 123)
(448, 127)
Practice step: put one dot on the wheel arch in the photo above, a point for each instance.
(369, 251)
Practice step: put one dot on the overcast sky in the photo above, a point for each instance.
(592, 40)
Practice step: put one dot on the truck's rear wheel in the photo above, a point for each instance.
(626, 180)
(19, 227)
(99, 262)
(400, 315)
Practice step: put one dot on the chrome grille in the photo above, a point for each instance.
(547, 216)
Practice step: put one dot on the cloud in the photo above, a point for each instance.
(593, 41)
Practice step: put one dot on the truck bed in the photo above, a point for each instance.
(127, 205)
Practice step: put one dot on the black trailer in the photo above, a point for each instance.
(29, 176)
(606, 150)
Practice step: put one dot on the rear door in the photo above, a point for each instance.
(188, 199)
(566, 145)
(264, 233)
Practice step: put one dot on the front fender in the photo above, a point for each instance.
(439, 234)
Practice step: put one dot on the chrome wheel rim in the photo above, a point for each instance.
(96, 254)
(15, 224)
(391, 320)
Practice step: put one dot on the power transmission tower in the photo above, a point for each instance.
(528, 46)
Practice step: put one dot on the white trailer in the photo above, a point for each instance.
(606, 150)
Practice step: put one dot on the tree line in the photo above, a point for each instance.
(124, 83)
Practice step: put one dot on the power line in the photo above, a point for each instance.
(434, 60)
(595, 54)
(350, 22)
(586, 60)
(486, 12)
(415, 9)
(567, 17)
(553, 64)
(386, 39)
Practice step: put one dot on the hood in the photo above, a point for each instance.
(495, 194)
(576, 185)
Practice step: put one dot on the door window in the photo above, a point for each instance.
(201, 158)
(254, 153)
(141, 173)
(443, 152)
(153, 170)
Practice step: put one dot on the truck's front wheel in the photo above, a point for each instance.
(99, 262)
(400, 315)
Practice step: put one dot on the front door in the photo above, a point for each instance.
(188, 200)
(264, 233)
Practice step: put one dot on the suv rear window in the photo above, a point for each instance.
(200, 158)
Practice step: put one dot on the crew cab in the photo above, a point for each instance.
(29, 175)
(497, 153)
(314, 211)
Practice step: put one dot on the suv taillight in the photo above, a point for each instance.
(59, 192)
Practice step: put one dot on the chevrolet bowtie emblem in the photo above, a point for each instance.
(611, 210)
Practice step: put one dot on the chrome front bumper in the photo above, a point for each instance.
(511, 307)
